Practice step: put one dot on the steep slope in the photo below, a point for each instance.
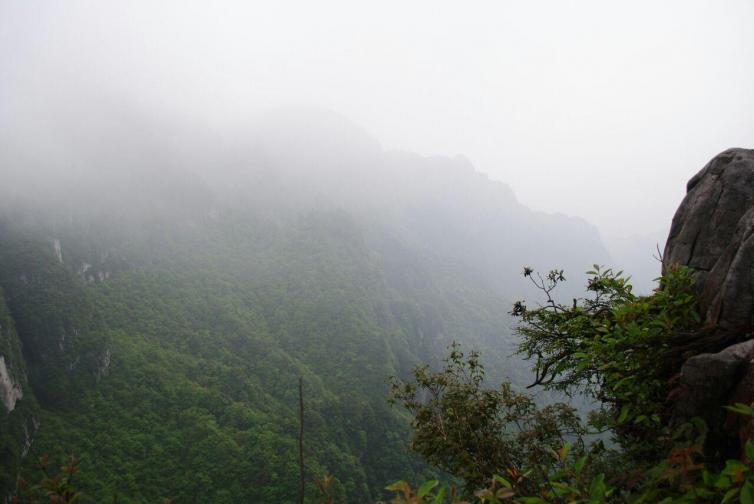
(167, 297)
(19, 410)
(205, 340)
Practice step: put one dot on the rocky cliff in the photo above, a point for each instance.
(713, 233)
(18, 409)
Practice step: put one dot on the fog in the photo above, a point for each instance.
(600, 110)
(213, 213)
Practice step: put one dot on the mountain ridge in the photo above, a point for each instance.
(204, 281)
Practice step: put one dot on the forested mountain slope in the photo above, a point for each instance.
(163, 288)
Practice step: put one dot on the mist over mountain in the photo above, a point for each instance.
(172, 281)
(280, 164)
(250, 248)
(639, 256)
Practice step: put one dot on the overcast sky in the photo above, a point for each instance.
(598, 109)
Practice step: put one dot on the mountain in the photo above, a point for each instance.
(164, 284)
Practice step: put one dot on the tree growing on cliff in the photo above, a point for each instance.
(622, 350)
(472, 431)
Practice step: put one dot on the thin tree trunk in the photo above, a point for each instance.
(301, 439)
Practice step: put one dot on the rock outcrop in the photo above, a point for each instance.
(713, 233)
(710, 381)
(10, 391)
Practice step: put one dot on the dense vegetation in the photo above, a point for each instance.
(502, 445)
(163, 288)
(176, 376)
(621, 350)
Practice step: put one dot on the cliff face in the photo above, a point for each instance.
(18, 410)
(713, 233)
(49, 352)
(12, 368)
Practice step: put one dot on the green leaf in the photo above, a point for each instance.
(640, 419)
(624, 413)
(440, 497)
(729, 495)
(426, 487)
(750, 450)
(722, 482)
(597, 489)
(502, 481)
(705, 477)
(747, 493)
(397, 486)
(734, 468)
(579, 465)
(741, 408)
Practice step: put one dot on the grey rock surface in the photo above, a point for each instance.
(713, 232)
(711, 378)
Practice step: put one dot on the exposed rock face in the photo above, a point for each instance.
(713, 232)
(57, 250)
(709, 378)
(103, 364)
(10, 392)
(29, 435)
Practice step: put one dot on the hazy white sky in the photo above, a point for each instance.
(600, 109)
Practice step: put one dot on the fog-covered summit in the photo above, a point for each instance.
(136, 167)
(151, 263)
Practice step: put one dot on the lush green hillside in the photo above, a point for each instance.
(176, 376)
(163, 314)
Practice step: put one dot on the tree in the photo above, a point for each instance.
(474, 432)
(622, 350)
